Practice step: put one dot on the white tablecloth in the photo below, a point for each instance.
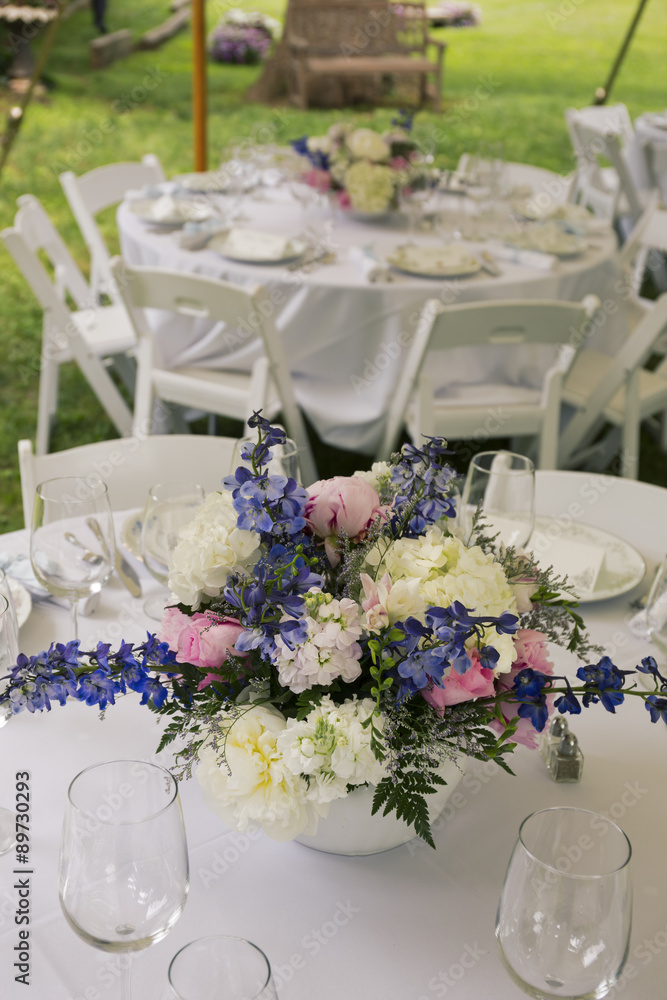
(345, 339)
(397, 926)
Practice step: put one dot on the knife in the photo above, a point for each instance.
(126, 572)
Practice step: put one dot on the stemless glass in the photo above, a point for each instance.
(285, 460)
(170, 506)
(123, 871)
(220, 968)
(65, 553)
(564, 917)
(9, 650)
(502, 485)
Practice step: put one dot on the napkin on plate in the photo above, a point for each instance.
(247, 244)
(372, 269)
(196, 235)
(580, 562)
(530, 258)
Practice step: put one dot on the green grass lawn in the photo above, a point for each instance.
(529, 61)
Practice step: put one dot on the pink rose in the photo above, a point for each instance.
(476, 682)
(344, 503)
(318, 179)
(343, 199)
(531, 649)
(205, 641)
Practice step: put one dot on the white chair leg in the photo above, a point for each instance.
(631, 429)
(46, 404)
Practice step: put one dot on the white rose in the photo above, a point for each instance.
(365, 144)
(377, 471)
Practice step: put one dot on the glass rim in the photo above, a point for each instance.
(587, 812)
(129, 760)
(3, 600)
(96, 486)
(503, 472)
(193, 489)
(220, 937)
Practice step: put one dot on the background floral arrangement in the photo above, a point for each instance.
(340, 636)
(364, 168)
(243, 37)
(455, 14)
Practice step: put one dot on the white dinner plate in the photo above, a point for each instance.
(174, 213)
(130, 534)
(296, 249)
(433, 262)
(549, 237)
(22, 600)
(623, 566)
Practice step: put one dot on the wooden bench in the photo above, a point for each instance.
(348, 38)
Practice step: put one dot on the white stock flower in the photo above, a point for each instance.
(209, 548)
(333, 748)
(257, 786)
(365, 144)
(330, 650)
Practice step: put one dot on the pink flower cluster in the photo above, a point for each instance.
(204, 640)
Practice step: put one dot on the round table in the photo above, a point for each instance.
(410, 924)
(346, 338)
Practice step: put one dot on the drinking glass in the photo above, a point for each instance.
(170, 506)
(563, 922)
(285, 461)
(412, 200)
(123, 867)
(66, 556)
(220, 968)
(304, 194)
(9, 650)
(502, 485)
(450, 217)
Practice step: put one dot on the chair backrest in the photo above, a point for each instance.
(596, 142)
(614, 118)
(358, 27)
(100, 188)
(487, 324)
(247, 311)
(632, 356)
(656, 162)
(634, 253)
(130, 466)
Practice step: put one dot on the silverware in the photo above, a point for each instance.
(94, 558)
(126, 572)
(489, 264)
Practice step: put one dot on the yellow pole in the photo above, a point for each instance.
(199, 83)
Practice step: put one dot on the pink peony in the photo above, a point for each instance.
(476, 682)
(343, 199)
(318, 179)
(531, 650)
(344, 503)
(205, 641)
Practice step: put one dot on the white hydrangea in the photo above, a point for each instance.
(257, 786)
(330, 650)
(333, 748)
(365, 144)
(375, 474)
(209, 548)
(370, 186)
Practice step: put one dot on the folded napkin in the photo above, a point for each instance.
(155, 191)
(365, 260)
(530, 258)
(196, 235)
(247, 244)
(18, 567)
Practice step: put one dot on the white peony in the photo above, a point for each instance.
(365, 144)
(209, 548)
(256, 786)
(333, 748)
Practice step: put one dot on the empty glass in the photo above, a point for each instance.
(220, 968)
(501, 484)
(66, 555)
(123, 871)
(563, 922)
(170, 506)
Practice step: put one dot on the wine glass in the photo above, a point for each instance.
(285, 460)
(123, 868)
(412, 201)
(65, 553)
(219, 966)
(170, 506)
(563, 922)
(501, 484)
(9, 650)
(655, 618)
(450, 217)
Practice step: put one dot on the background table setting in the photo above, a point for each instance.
(345, 350)
(332, 924)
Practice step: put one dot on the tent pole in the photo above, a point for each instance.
(602, 93)
(199, 83)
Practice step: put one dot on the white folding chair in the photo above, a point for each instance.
(613, 118)
(90, 194)
(130, 466)
(597, 142)
(618, 390)
(522, 411)
(656, 163)
(228, 393)
(586, 190)
(86, 334)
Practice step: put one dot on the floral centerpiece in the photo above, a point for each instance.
(363, 168)
(340, 636)
(243, 37)
(454, 14)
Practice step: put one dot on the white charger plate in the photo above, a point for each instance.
(184, 211)
(298, 248)
(623, 566)
(22, 600)
(400, 261)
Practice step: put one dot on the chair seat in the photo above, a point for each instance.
(370, 64)
(588, 370)
(200, 387)
(106, 330)
(488, 394)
